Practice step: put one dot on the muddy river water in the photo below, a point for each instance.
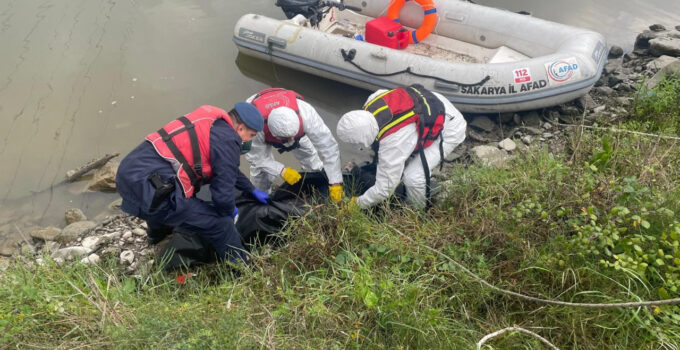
(82, 78)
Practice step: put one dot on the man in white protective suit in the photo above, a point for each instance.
(411, 130)
(291, 124)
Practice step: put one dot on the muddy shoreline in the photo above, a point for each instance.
(491, 140)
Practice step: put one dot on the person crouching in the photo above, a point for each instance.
(159, 179)
(411, 130)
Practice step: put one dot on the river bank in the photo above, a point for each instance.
(535, 202)
(491, 140)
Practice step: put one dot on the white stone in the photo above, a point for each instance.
(127, 257)
(144, 226)
(665, 46)
(599, 109)
(526, 140)
(489, 156)
(139, 232)
(50, 247)
(91, 242)
(69, 253)
(91, 259)
(661, 62)
(127, 234)
(671, 70)
(112, 236)
(508, 145)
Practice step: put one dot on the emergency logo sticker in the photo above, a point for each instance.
(521, 75)
(562, 71)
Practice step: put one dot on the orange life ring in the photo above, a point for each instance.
(429, 22)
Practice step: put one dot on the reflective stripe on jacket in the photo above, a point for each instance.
(396, 108)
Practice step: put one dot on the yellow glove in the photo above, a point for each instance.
(351, 205)
(336, 193)
(290, 175)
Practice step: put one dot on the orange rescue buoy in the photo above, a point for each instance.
(429, 22)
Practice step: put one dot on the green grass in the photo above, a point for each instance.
(345, 279)
(657, 110)
(588, 226)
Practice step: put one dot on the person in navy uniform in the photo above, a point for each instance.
(159, 179)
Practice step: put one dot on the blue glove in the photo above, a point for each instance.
(233, 216)
(262, 197)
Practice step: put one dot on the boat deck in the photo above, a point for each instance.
(351, 24)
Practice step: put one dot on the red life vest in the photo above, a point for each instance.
(185, 143)
(400, 107)
(267, 100)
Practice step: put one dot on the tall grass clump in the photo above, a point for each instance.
(657, 110)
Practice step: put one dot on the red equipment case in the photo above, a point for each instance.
(386, 32)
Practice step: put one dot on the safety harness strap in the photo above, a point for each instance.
(194, 176)
(426, 168)
(193, 137)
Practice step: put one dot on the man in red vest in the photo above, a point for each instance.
(159, 179)
(291, 124)
(411, 130)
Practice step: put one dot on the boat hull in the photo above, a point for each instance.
(544, 71)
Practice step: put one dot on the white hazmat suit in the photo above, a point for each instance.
(318, 149)
(396, 160)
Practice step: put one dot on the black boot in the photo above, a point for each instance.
(157, 234)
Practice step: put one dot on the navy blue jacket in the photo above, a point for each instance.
(225, 152)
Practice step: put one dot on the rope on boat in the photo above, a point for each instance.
(348, 56)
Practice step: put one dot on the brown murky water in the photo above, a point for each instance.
(82, 78)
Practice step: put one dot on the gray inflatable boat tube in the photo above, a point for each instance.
(482, 59)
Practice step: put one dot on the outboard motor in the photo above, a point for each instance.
(313, 10)
(292, 8)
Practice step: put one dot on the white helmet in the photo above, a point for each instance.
(358, 127)
(283, 122)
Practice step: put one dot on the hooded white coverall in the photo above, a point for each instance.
(264, 169)
(397, 162)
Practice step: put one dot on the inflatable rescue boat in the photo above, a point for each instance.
(482, 59)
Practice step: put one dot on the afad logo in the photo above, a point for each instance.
(561, 71)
